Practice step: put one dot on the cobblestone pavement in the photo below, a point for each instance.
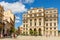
(32, 38)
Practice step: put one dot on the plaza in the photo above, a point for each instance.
(33, 38)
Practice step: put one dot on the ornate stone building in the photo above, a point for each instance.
(7, 20)
(41, 21)
(1, 19)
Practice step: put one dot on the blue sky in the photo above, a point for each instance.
(18, 7)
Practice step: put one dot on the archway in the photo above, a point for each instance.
(35, 31)
(31, 32)
(39, 31)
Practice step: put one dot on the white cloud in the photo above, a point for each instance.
(15, 7)
(17, 21)
(17, 17)
(31, 8)
(26, 1)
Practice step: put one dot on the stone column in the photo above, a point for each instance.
(28, 31)
(42, 31)
(37, 22)
(56, 33)
(37, 31)
(32, 22)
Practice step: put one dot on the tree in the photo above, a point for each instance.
(39, 33)
(31, 32)
(23, 33)
(12, 30)
(35, 33)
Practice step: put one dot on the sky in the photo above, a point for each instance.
(19, 7)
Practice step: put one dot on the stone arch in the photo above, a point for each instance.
(39, 30)
(35, 31)
(31, 31)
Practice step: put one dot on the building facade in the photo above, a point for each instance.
(1, 19)
(41, 21)
(20, 30)
(8, 20)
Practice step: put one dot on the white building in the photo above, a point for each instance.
(43, 21)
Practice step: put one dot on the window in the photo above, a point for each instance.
(54, 24)
(35, 23)
(46, 16)
(46, 28)
(30, 22)
(40, 14)
(50, 15)
(50, 28)
(34, 19)
(50, 11)
(24, 15)
(46, 19)
(23, 28)
(23, 21)
(55, 28)
(39, 19)
(27, 21)
(46, 24)
(0, 11)
(46, 12)
(24, 25)
(30, 15)
(35, 15)
(54, 33)
(54, 10)
(40, 23)
(50, 24)
(39, 10)
(54, 19)
(50, 19)
(54, 15)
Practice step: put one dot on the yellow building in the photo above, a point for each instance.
(40, 21)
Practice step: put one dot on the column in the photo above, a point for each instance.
(32, 22)
(28, 31)
(56, 33)
(42, 31)
(37, 31)
(37, 22)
